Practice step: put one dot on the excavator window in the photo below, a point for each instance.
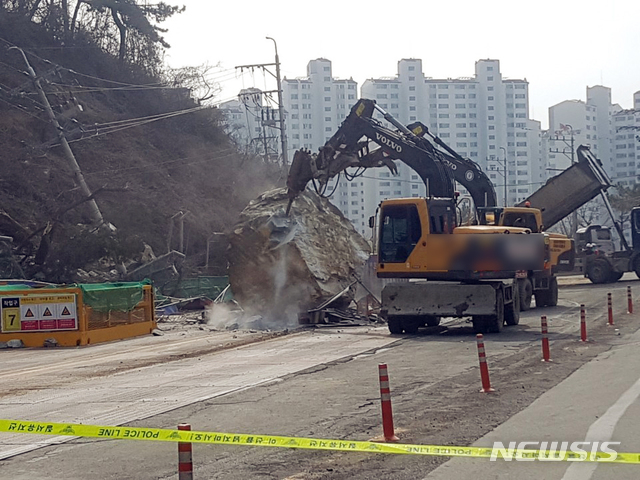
(400, 233)
(519, 219)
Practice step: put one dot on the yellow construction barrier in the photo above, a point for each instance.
(76, 315)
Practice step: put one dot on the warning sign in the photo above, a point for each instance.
(39, 313)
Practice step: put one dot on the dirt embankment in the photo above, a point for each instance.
(142, 174)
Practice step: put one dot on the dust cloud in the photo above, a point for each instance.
(283, 308)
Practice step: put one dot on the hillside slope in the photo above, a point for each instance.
(143, 174)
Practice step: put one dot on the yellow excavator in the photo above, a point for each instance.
(455, 270)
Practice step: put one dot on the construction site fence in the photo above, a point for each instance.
(76, 315)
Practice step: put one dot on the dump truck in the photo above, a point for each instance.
(598, 258)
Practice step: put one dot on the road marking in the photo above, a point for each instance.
(602, 430)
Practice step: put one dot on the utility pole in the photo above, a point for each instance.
(281, 122)
(570, 145)
(96, 215)
(504, 165)
(283, 136)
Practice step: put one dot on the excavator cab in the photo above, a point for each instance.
(489, 215)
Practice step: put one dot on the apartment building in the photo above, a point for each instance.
(626, 146)
(611, 132)
(316, 105)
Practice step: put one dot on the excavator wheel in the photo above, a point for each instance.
(615, 276)
(395, 325)
(525, 289)
(411, 325)
(512, 310)
(636, 266)
(599, 271)
(432, 321)
(479, 324)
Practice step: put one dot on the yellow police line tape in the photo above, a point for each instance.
(218, 438)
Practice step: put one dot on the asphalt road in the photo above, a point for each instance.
(324, 384)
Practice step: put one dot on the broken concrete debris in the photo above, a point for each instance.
(282, 265)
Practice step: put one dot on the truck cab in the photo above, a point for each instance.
(594, 238)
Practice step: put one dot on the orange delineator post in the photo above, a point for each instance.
(545, 339)
(484, 370)
(185, 461)
(583, 323)
(629, 300)
(385, 400)
(610, 307)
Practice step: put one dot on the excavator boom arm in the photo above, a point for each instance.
(362, 141)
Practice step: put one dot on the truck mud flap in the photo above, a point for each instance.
(441, 299)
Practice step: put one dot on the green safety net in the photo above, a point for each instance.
(101, 297)
(104, 297)
(15, 286)
(209, 287)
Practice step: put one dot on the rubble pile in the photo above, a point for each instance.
(280, 266)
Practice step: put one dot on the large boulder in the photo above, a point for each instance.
(280, 266)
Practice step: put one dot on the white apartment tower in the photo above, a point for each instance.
(316, 105)
(626, 146)
(608, 129)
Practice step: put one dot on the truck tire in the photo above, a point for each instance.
(525, 290)
(599, 271)
(512, 310)
(495, 322)
(395, 325)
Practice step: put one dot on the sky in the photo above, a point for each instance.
(560, 47)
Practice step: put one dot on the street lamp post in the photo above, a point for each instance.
(283, 136)
(504, 165)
